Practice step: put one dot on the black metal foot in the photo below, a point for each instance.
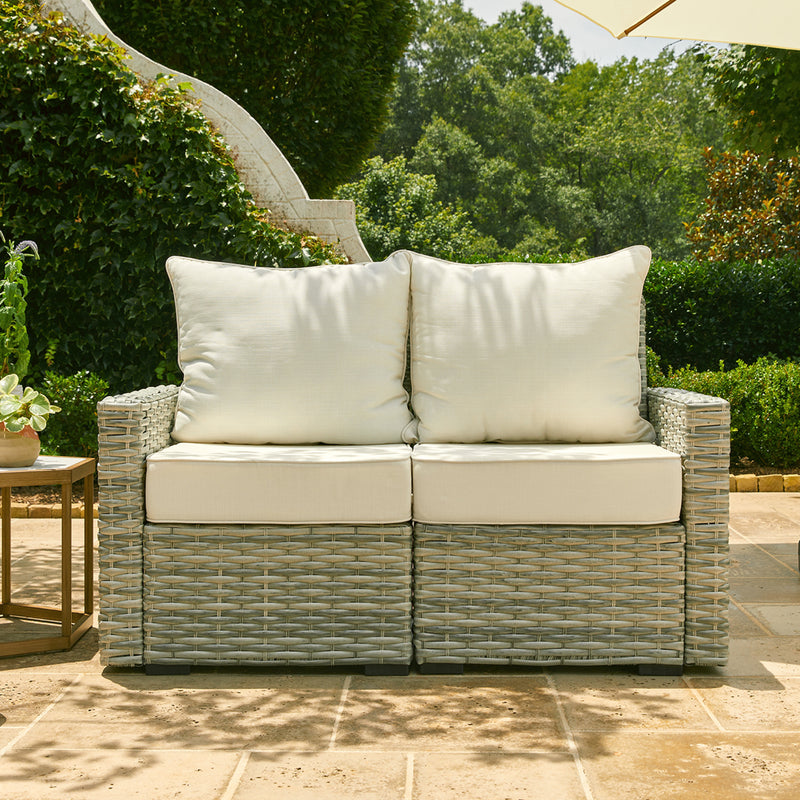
(167, 669)
(386, 669)
(432, 668)
(660, 669)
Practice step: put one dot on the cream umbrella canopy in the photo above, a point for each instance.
(771, 23)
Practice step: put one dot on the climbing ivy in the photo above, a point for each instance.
(111, 174)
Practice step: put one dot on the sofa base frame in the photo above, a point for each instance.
(547, 595)
(149, 609)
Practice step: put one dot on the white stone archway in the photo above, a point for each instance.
(262, 167)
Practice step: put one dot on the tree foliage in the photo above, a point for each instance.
(397, 209)
(760, 87)
(633, 136)
(545, 155)
(752, 209)
(316, 74)
(110, 175)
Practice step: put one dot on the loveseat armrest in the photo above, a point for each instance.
(131, 426)
(697, 427)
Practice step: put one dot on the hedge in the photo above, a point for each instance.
(317, 74)
(765, 405)
(699, 314)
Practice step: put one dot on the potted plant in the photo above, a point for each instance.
(22, 416)
(23, 411)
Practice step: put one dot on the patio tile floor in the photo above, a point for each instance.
(72, 728)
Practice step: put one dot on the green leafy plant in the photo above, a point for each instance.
(701, 313)
(74, 431)
(752, 208)
(111, 174)
(396, 209)
(22, 410)
(14, 353)
(760, 88)
(765, 406)
(317, 74)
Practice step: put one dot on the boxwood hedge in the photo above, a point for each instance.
(765, 405)
(699, 314)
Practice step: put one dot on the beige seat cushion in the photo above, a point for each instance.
(291, 356)
(528, 352)
(581, 484)
(274, 484)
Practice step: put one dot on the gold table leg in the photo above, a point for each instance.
(73, 624)
(6, 563)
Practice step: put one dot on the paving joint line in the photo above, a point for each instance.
(8, 747)
(697, 696)
(236, 778)
(340, 711)
(752, 617)
(571, 743)
(791, 569)
(408, 791)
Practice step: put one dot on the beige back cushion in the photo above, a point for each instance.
(291, 356)
(528, 352)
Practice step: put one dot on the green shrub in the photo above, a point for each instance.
(701, 314)
(73, 431)
(397, 209)
(765, 406)
(14, 353)
(110, 175)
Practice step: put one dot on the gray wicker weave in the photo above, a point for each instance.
(697, 427)
(237, 594)
(246, 594)
(548, 594)
(131, 426)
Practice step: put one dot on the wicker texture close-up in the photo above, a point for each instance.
(697, 427)
(549, 594)
(131, 426)
(246, 594)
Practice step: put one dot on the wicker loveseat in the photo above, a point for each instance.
(531, 502)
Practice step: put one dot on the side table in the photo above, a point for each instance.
(51, 471)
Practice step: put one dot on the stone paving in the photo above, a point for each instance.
(70, 728)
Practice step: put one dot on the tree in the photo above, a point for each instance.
(752, 209)
(760, 87)
(471, 109)
(544, 154)
(633, 138)
(754, 192)
(316, 74)
(456, 65)
(397, 209)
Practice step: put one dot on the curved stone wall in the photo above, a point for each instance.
(262, 167)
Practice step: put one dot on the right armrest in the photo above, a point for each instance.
(697, 428)
(131, 426)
